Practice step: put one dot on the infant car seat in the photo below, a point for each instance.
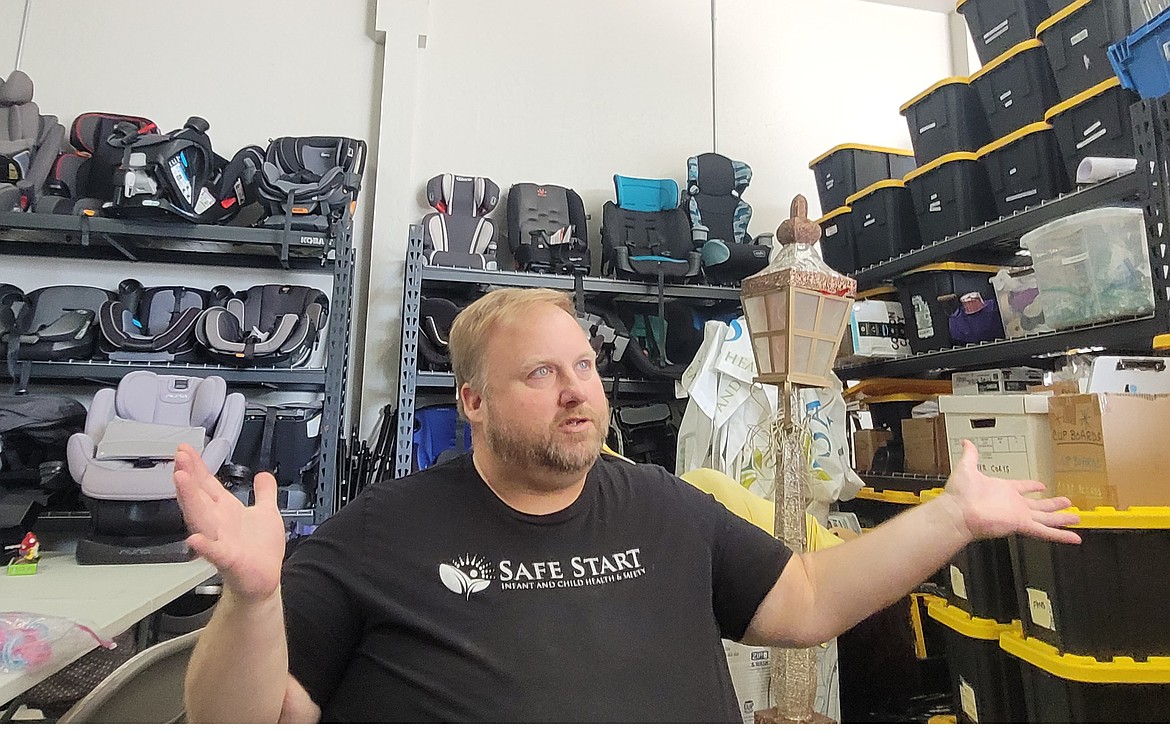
(54, 323)
(29, 143)
(436, 315)
(178, 174)
(547, 230)
(82, 181)
(720, 218)
(284, 440)
(152, 324)
(271, 325)
(33, 432)
(310, 182)
(124, 461)
(459, 234)
(648, 237)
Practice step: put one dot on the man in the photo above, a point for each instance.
(532, 580)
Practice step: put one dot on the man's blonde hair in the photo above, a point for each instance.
(474, 327)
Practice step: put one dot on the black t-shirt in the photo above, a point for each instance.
(428, 599)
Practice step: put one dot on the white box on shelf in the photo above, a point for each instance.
(1010, 431)
(878, 328)
(996, 381)
(1130, 375)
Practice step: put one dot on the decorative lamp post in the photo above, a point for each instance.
(797, 310)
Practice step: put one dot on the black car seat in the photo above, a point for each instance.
(459, 234)
(435, 317)
(153, 324)
(310, 182)
(53, 323)
(271, 325)
(720, 217)
(178, 174)
(29, 143)
(645, 235)
(83, 179)
(547, 229)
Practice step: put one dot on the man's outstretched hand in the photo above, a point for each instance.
(987, 507)
(246, 544)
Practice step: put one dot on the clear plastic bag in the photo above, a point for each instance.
(29, 641)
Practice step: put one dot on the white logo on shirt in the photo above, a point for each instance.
(466, 576)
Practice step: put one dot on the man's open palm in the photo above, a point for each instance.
(246, 544)
(994, 507)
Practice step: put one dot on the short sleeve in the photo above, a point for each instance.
(323, 620)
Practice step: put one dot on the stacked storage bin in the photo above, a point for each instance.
(1139, 60)
(1094, 646)
(883, 220)
(837, 246)
(849, 168)
(997, 25)
(948, 304)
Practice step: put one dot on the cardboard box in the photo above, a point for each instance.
(865, 444)
(1110, 449)
(1056, 388)
(925, 441)
(1010, 431)
(1016, 380)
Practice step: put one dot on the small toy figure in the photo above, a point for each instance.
(27, 554)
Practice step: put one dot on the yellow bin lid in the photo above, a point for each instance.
(951, 267)
(969, 626)
(1006, 56)
(1012, 137)
(860, 146)
(1061, 15)
(938, 163)
(1081, 98)
(877, 292)
(1137, 517)
(1073, 667)
(834, 214)
(877, 386)
(1162, 342)
(932, 89)
(906, 498)
(888, 183)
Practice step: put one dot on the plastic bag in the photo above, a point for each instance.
(29, 641)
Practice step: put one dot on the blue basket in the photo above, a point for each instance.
(1142, 59)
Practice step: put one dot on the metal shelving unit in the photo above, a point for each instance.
(418, 274)
(1148, 185)
(83, 237)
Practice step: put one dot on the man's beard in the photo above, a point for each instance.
(548, 448)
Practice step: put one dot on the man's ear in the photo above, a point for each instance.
(472, 401)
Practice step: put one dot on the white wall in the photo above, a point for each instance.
(796, 78)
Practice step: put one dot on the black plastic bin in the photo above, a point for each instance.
(849, 168)
(1016, 89)
(951, 194)
(1077, 39)
(928, 317)
(1061, 688)
(946, 118)
(883, 222)
(1106, 597)
(985, 680)
(837, 240)
(1140, 11)
(997, 25)
(1025, 168)
(981, 581)
(1094, 124)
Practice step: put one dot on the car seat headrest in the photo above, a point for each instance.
(171, 400)
(17, 90)
(462, 195)
(717, 175)
(645, 194)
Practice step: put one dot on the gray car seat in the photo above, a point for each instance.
(310, 182)
(265, 325)
(547, 229)
(50, 324)
(82, 180)
(29, 143)
(124, 461)
(154, 324)
(459, 234)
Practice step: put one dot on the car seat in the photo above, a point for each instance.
(310, 182)
(284, 440)
(719, 219)
(271, 325)
(33, 432)
(50, 324)
(179, 175)
(435, 317)
(662, 345)
(645, 235)
(29, 143)
(124, 461)
(459, 234)
(646, 433)
(83, 179)
(547, 229)
(153, 324)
